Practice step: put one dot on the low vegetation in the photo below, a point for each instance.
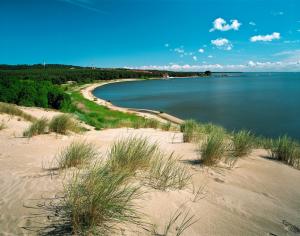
(61, 124)
(13, 110)
(37, 127)
(242, 143)
(76, 154)
(2, 125)
(213, 149)
(98, 199)
(167, 173)
(131, 154)
(190, 130)
(286, 150)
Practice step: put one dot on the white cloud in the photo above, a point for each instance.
(265, 38)
(210, 56)
(201, 50)
(221, 24)
(249, 66)
(179, 50)
(167, 45)
(252, 23)
(195, 58)
(222, 43)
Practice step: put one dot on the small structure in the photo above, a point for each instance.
(166, 76)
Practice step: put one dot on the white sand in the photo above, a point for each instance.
(251, 199)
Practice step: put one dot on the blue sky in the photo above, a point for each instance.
(231, 35)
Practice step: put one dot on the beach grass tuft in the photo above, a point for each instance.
(98, 199)
(213, 149)
(189, 129)
(286, 150)
(76, 154)
(166, 173)
(2, 125)
(131, 154)
(166, 126)
(242, 143)
(11, 109)
(37, 127)
(63, 123)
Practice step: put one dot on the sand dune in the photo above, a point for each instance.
(252, 199)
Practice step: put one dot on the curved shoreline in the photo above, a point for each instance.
(87, 92)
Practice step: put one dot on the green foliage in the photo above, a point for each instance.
(32, 93)
(152, 123)
(98, 199)
(37, 127)
(242, 143)
(131, 154)
(2, 125)
(166, 126)
(76, 154)
(167, 173)
(61, 124)
(15, 111)
(213, 149)
(286, 150)
(99, 116)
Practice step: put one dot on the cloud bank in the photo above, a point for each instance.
(265, 38)
(222, 43)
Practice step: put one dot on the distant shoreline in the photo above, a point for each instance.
(87, 92)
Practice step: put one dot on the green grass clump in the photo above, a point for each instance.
(286, 150)
(242, 143)
(76, 154)
(167, 173)
(98, 200)
(209, 128)
(152, 123)
(213, 149)
(15, 111)
(131, 154)
(190, 130)
(37, 127)
(166, 126)
(2, 125)
(63, 123)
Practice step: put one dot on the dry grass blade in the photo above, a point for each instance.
(37, 127)
(167, 173)
(76, 154)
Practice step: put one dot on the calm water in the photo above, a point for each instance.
(266, 103)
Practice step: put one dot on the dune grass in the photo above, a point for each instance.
(190, 130)
(213, 149)
(166, 126)
(76, 154)
(2, 125)
(167, 173)
(152, 123)
(37, 127)
(286, 150)
(98, 199)
(11, 109)
(242, 143)
(131, 154)
(63, 123)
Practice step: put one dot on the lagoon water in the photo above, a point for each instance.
(266, 103)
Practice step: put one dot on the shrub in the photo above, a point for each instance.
(286, 150)
(213, 149)
(189, 129)
(167, 173)
(99, 199)
(15, 111)
(2, 125)
(131, 154)
(37, 127)
(242, 143)
(63, 123)
(77, 153)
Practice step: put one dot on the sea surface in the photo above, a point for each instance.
(266, 103)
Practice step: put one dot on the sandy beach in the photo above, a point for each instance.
(87, 93)
(253, 198)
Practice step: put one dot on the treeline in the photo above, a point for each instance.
(38, 85)
(33, 93)
(59, 74)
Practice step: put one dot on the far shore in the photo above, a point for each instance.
(87, 92)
